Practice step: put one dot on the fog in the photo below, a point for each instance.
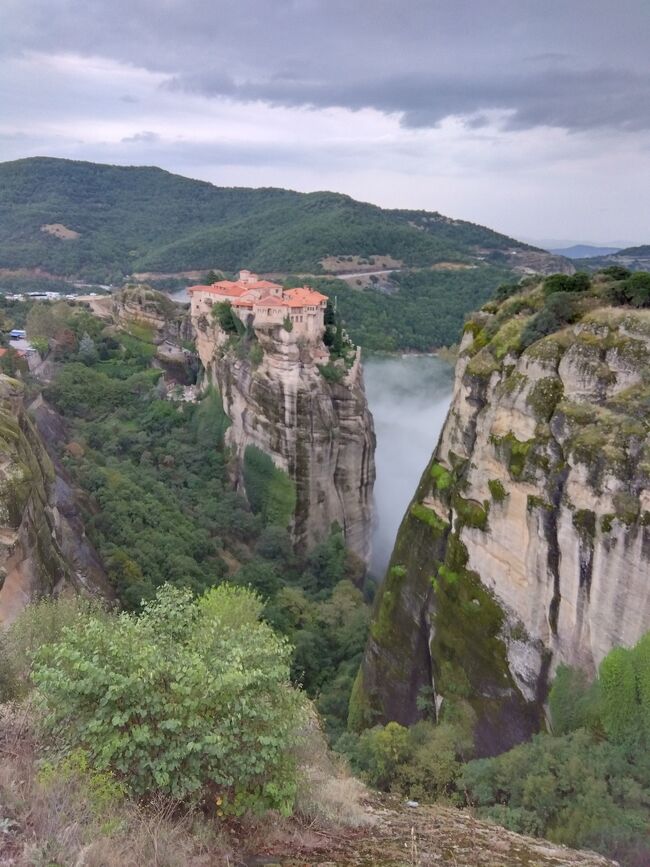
(409, 397)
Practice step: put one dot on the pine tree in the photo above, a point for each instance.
(87, 350)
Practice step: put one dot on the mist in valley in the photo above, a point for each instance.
(409, 397)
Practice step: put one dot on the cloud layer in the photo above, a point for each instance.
(426, 94)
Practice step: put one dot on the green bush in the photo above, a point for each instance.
(269, 489)
(497, 490)
(442, 478)
(333, 373)
(637, 289)
(573, 789)
(229, 321)
(189, 698)
(573, 701)
(471, 513)
(578, 282)
(40, 623)
(421, 762)
(589, 785)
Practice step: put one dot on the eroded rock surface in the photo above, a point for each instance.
(527, 542)
(43, 549)
(321, 433)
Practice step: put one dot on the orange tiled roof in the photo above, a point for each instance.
(271, 301)
(234, 288)
(263, 284)
(303, 296)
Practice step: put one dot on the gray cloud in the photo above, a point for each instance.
(145, 137)
(574, 100)
(577, 65)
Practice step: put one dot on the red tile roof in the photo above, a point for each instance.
(303, 296)
(264, 284)
(271, 301)
(235, 288)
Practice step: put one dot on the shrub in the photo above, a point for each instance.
(333, 373)
(40, 623)
(269, 489)
(190, 698)
(428, 516)
(578, 282)
(616, 272)
(506, 290)
(497, 490)
(229, 321)
(471, 513)
(637, 289)
(573, 701)
(442, 478)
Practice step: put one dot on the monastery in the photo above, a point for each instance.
(268, 303)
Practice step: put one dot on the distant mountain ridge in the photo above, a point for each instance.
(100, 222)
(634, 258)
(583, 251)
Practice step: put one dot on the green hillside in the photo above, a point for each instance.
(632, 258)
(131, 219)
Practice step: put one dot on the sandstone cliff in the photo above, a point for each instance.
(527, 542)
(320, 432)
(43, 549)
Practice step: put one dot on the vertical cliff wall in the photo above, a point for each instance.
(528, 539)
(319, 431)
(43, 549)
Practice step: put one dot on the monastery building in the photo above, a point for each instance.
(268, 303)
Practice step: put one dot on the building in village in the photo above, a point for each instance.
(266, 302)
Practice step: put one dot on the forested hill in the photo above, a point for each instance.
(101, 222)
(632, 258)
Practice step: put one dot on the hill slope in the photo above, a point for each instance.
(584, 251)
(102, 222)
(634, 258)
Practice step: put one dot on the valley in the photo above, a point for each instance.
(235, 461)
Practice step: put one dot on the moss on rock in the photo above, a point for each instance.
(429, 517)
(497, 490)
(544, 397)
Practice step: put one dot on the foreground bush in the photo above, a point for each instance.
(40, 623)
(191, 698)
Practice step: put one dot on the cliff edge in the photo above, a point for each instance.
(43, 549)
(526, 544)
(287, 395)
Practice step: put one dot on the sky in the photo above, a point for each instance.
(530, 117)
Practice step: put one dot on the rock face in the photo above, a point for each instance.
(154, 310)
(527, 542)
(320, 432)
(43, 549)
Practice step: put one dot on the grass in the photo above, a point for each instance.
(72, 816)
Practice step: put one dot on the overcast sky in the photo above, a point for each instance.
(530, 116)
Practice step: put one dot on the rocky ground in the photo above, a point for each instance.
(401, 836)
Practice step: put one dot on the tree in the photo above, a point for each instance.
(637, 289)
(87, 350)
(191, 698)
(229, 321)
